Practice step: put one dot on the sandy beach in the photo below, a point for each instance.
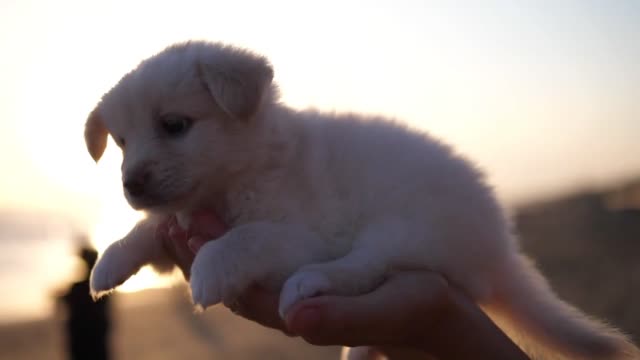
(586, 244)
(160, 324)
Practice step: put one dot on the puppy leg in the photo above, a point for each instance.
(260, 252)
(126, 256)
(360, 271)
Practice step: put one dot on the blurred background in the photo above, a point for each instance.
(543, 95)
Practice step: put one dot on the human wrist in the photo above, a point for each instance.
(439, 324)
(464, 331)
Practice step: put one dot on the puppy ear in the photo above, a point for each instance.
(95, 135)
(238, 82)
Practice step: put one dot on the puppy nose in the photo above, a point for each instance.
(136, 183)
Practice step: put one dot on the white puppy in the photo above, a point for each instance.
(317, 203)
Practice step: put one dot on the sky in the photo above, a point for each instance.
(543, 95)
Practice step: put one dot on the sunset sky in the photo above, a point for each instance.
(544, 95)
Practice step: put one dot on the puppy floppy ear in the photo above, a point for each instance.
(95, 135)
(238, 81)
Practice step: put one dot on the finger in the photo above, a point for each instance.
(206, 224)
(171, 229)
(177, 233)
(183, 256)
(176, 248)
(261, 306)
(195, 243)
(393, 314)
(162, 230)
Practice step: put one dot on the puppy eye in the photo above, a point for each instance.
(121, 141)
(175, 124)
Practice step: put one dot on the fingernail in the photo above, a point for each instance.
(195, 243)
(304, 320)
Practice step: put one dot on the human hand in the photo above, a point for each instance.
(413, 309)
(256, 304)
(182, 245)
(411, 312)
(260, 305)
(393, 314)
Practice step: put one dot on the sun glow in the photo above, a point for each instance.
(117, 218)
(55, 150)
(520, 98)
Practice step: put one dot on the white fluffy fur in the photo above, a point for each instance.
(317, 202)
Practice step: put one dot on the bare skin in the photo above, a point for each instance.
(393, 315)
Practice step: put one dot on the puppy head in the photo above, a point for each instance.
(182, 119)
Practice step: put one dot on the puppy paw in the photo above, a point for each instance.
(105, 277)
(215, 276)
(300, 286)
(205, 291)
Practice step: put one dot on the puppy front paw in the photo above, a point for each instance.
(302, 285)
(104, 278)
(204, 290)
(215, 276)
(113, 268)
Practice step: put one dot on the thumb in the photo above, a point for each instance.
(393, 314)
(342, 321)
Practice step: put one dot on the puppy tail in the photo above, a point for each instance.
(544, 326)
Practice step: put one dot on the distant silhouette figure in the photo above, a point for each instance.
(88, 322)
